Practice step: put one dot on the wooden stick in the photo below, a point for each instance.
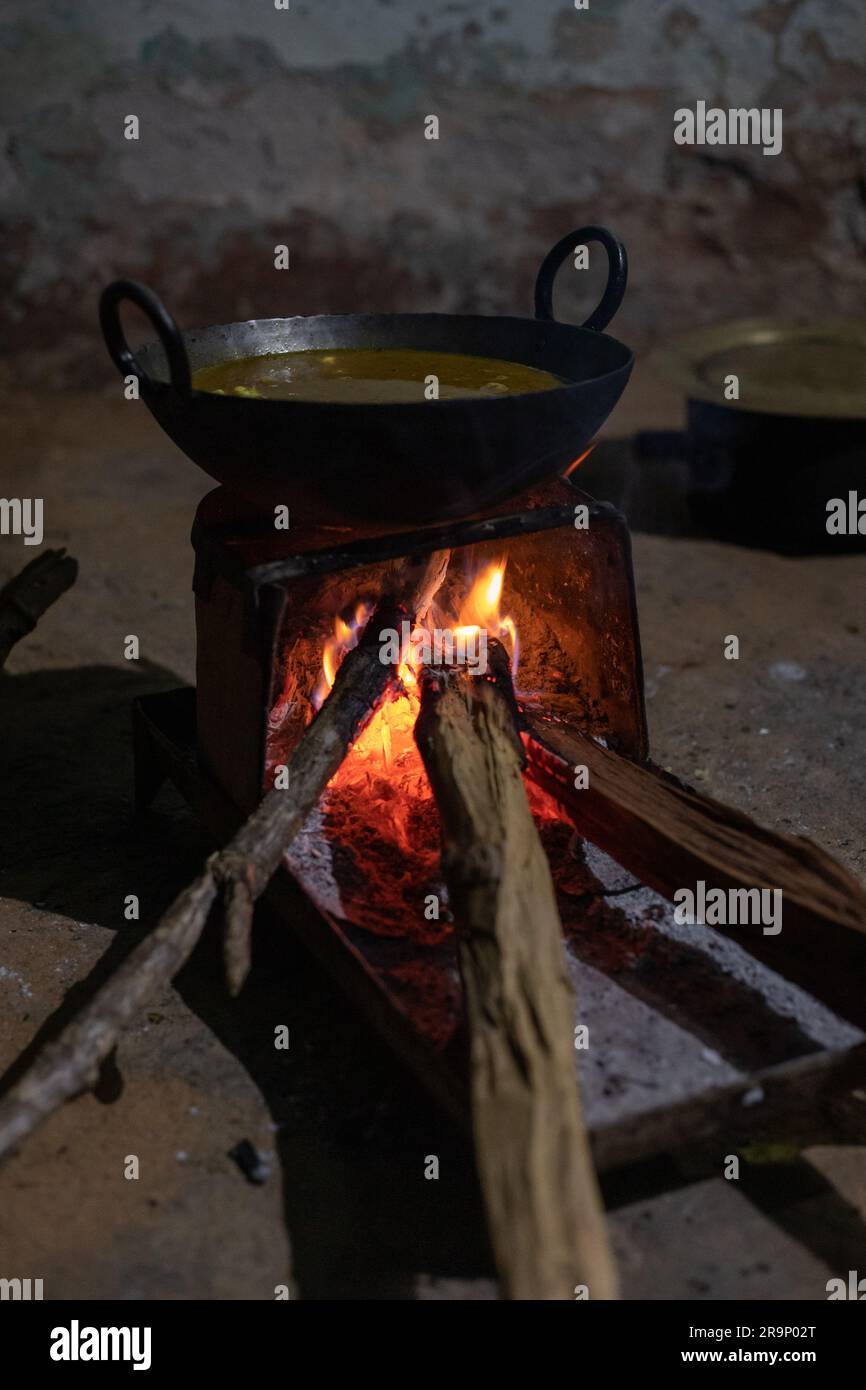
(248, 863)
(239, 873)
(544, 1211)
(671, 837)
(28, 594)
(70, 1064)
(664, 832)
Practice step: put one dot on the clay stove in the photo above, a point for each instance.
(274, 607)
(275, 611)
(267, 602)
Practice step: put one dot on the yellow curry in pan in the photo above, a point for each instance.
(370, 375)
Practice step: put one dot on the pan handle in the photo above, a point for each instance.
(119, 350)
(617, 275)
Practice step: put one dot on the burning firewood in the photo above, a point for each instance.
(668, 834)
(544, 1210)
(247, 865)
(238, 874)
(673, 838)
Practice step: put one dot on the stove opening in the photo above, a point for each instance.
(369, 853)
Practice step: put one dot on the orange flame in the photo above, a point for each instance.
(346, 636)
(480, 610)
(578, 461)
(388, 742)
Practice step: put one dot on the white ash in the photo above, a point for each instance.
(612, 877)
(310, 859)
(786, 999)
(637, 1059)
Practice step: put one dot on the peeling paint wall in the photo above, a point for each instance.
(305, 126)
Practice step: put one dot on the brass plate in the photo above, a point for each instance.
(816, 370)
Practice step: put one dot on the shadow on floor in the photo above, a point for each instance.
(354, 1127)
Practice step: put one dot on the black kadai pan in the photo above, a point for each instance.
(411, 462)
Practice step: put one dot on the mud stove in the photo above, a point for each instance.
(708, 1034)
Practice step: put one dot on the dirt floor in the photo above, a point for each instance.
(346, 1211)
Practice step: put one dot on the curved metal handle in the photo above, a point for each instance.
(617, 275)
(119, 350)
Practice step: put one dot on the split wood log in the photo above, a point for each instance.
(544, 1210)
(666, 833)
(238, 874)
(28, 594)
(671, 837)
